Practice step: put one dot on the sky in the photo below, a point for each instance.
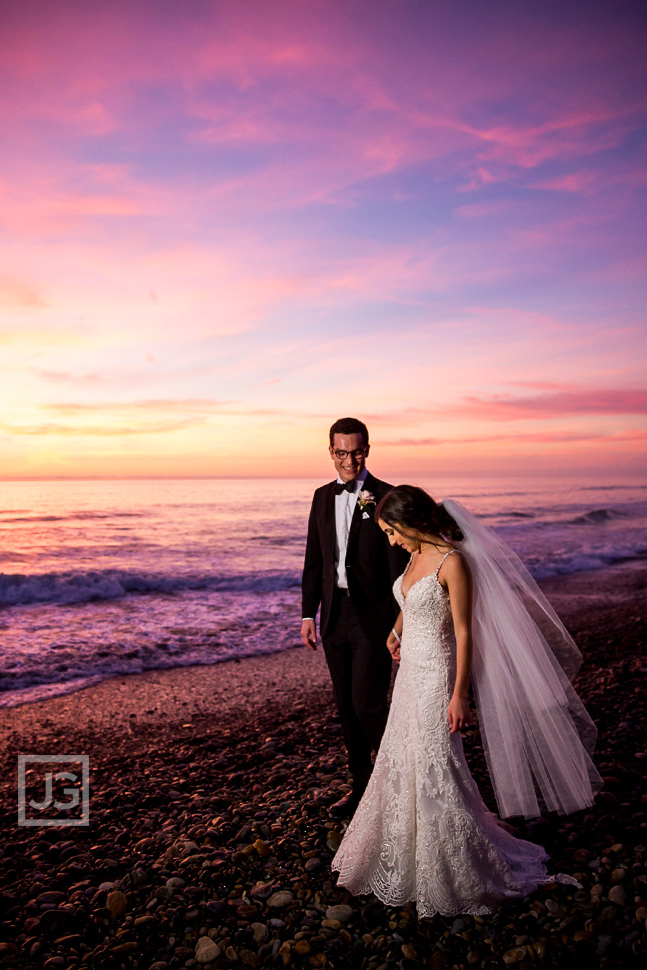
(226, 223)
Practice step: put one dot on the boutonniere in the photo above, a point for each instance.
(365, 499)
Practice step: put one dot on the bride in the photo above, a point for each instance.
(472, 611)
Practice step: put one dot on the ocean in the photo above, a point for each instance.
(107, 578)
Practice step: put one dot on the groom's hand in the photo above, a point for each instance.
(309, 634)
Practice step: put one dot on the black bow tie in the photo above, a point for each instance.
(345, 487)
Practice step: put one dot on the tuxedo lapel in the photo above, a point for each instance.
(358, 514)
(329, 519)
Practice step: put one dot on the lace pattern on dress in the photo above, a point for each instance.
(422, 831)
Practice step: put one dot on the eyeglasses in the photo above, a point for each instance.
(357, 454)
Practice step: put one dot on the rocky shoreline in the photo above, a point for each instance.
(210, 836)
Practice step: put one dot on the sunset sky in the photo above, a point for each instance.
(225, 223)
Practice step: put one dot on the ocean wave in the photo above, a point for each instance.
(30, 688)
(611, 488)
(110, 584)
(582, 562)
(74, 517)
(596, 516)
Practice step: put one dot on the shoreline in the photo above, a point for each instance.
(210, 835)
(571, 594)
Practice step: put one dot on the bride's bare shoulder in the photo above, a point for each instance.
(455, 566)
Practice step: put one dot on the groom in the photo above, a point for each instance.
(349, 570)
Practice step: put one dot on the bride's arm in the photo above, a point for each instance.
(458, 579)
(393, 639)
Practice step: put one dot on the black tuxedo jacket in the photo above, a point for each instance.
(372, 564)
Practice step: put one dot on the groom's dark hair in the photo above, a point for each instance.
(348, 426)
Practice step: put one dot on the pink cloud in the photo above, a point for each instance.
(99, 430)
(286, 180)
(580, 182)
(16, 294)
(557, 405)
(560, 404)
(519, 438)
(589, 183)
(482, 209)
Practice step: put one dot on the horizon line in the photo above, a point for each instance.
(571, 473)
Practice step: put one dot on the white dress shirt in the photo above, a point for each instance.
(345, 504)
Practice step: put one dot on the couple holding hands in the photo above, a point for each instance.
(469, 613)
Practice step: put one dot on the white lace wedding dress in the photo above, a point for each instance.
(422, 831)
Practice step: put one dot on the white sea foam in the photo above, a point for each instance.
(85, 587)
(102, 579)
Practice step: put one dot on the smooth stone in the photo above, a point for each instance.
(373, 913)
(146, 843)
(216, 907)
(333, 841)
(52, 897)
(618, 895)
(280, 900)
(128, 947)
(206, 950)
(246, 911)
(116, 903)
(72, 939)
(331, 924)
(581, 856)
(260, 932)
(261, 891)
(53, 920)
(147, 920)
(515, 955)
(340, 912)
(249, 959)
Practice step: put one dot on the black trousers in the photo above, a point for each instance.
(361, 674)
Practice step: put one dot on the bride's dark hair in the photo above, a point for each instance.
(412, 508)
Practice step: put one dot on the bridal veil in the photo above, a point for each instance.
(534, 727)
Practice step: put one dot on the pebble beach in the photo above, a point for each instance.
(210, 835)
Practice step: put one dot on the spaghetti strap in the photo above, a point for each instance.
(443, 560)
